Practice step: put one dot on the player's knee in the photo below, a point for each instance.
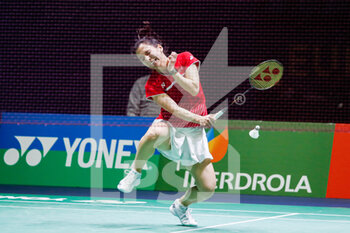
(156, 132)
(208, 188)
(151, 135)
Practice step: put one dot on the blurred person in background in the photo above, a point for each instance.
(138, 104)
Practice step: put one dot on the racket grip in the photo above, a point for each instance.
(220, 113)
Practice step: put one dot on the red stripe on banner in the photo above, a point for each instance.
(339, 171)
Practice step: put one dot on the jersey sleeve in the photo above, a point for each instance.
(187, 59)
(153, 86)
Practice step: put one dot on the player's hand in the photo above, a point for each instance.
(171, 63)
(207, 121)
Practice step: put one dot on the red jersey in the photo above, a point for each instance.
(159, 84)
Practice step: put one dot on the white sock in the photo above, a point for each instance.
(135, 171)
(181, 205)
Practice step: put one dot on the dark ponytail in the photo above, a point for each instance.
(145, 35)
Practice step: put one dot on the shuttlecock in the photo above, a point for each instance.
(254, 133)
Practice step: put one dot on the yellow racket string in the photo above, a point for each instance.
(266, 74)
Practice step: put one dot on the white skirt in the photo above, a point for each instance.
(188, 145)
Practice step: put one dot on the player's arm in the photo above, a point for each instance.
(189, 82)
(170, 105)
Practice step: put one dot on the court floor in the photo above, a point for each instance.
(48, 213)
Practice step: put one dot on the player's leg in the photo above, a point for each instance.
(156, 136)
(204, 175)
(205, 186)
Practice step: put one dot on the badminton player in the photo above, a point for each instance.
(178, 132)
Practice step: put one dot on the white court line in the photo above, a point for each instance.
(117, 210)
(67, 209)
(138, 206)
(235, 223)
(159, 207)
(332, 215)
(210, 215)
(315, 220)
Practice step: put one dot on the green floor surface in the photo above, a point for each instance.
(32, 213)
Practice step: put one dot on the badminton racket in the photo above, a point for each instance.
(262, 77)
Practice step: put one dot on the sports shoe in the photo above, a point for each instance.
(183, 213)
(131, 180)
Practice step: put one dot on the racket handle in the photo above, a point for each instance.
(220, 113)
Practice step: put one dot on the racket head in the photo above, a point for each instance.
(266, 75)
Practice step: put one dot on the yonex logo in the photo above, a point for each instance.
(34, 156)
